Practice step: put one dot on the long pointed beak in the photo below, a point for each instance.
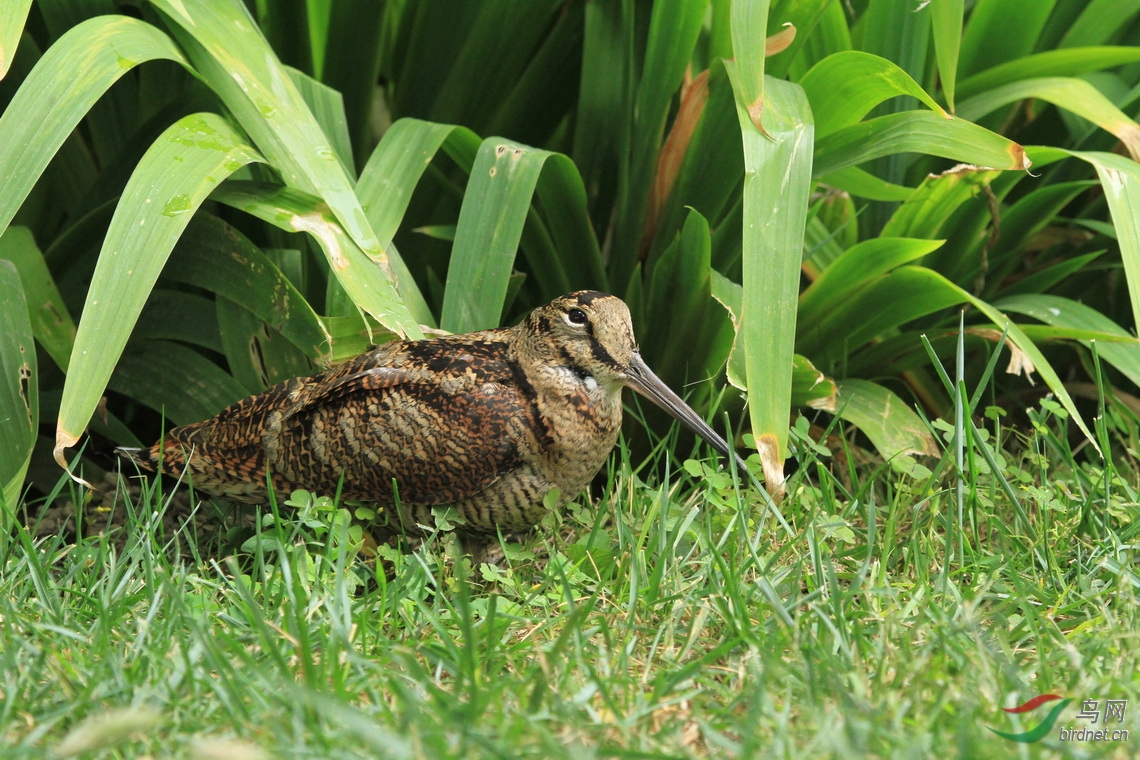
(641, 379)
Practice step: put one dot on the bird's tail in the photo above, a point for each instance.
(142, 457)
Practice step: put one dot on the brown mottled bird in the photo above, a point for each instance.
(488, 423)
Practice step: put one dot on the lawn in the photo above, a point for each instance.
(811, 207)
(671, 616)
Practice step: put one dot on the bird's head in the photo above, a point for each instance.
(590, 334)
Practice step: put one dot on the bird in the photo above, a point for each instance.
(501, 425)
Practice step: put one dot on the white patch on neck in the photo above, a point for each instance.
(589, 383)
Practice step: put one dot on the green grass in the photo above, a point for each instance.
(658, 621)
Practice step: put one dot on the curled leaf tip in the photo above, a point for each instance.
(756, 114)
(63, 441)
(780, 41)
(1019, 159)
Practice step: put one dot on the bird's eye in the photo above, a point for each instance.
(576, 317)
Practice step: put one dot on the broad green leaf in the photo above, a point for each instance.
(389, 178)
(946, 22)
(546, 91)
(831, 35)
(1052, 63)
(13, 14)
(916, 132)
(854, 268)
(1020, 224)
(176, 381)
(232, 56)
(863, 184)
(495, 207)
(680, 342)
(1120, 179)
(295, 211)
(257, 355)
(700, 165)
(51, 322)
(730, 295)
(1074, 95)
(396, 165)
(888, 300)
(216, 257)
(1001, 30)
(603, 118)
(845, 87)
(19, 392)
(180, 316)
(61, 89)
(901, 296)
(749, 30)
(1066, 313)
(328, 107)
(1040, 282)
(286, 23)
(352, 63)
(500, 59)
(175, 175)
(934, 201)
(577, 262)
(799, 17)
(1099, 22)
(776, 184)
(896, 430)
(674, 28)
(810, 387)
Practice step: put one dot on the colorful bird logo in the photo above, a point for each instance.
(1041, 729)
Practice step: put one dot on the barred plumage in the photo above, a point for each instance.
(489, 422)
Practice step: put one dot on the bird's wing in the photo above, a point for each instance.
(442, 433)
